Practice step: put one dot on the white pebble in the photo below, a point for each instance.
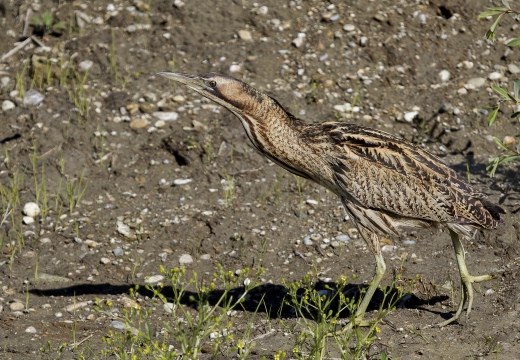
(245, 35)
(409, 116)
(169, 307)
(16, 306)
(185, 259)
(475, 83)
(32, 97)
(85, 65)
(31, 209)
(298, 42)
(154, 279)
(513, 69)
(27, 220)
(342, 238)
(307, 241)
(235, 68)
(104, 261)
(31, 330)
(495, 75)
(444, 75)
(349, 27)
(8, 105)
(311, 202)
(182, 181)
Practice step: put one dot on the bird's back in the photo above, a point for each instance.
(375, 171)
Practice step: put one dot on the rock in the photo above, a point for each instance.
(138, 123)
(299, 40)
(235, 68)
(8, 105)
(169, 307)
(307, 241)
(27, 220)
(16, 306)
(125, 230)
(509, 141)
(185, 259)
(409, 242)
(43, 277)
(104, 261)
(182, 181)
(513, 69)
(85, 65)
(311, 202)
(495, 76)
(349, 27)
(32, 97)
(342, 238)
(154, 279)
(444, 75)
(31, 209)
(410, 116)
(75, 306)
(245, 35)
(129, 303)
(475, 83)
(118, 252)
(31, 330)
(165, 115)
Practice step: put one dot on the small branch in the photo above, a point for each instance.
(18, 47)
(27, 22)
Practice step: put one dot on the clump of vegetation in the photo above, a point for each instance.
(509, 152)
(45, 24)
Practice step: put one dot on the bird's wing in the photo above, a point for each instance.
(384, 172)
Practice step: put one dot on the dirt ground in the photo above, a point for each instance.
(382, 57)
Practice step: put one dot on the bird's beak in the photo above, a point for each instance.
(192, 81)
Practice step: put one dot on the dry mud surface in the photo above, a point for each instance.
(239, 210)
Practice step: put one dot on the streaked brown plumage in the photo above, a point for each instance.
(385, 183)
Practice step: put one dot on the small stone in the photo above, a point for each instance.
(182, 181)
(16, 306)
(104, 261)
(179, 98)
(205, 257)
(489, 292)
(410, 116)
(49, 278)
(31, 209)
(8, 105)
(462, 91)
(119, 325)
(245, 35)
(185, 259)
(495, 75)
(444, 75)
(165, 115)
(45, 240)
(475, 83)
(169, 307)
(27, 220)
(154, 279)
(299, 40)
(85, 65)
(513, 69)
(32, 97)
(125, 230)
(75, 306)
(235, 68)
(58, 314)
(509, 141)
(31, 330)
(307, 241)
(409, 242)
(467, 64)
(129, 303)
(349, 27)
(118, 252)
(138, 123)
(342, 238)
(311, 202)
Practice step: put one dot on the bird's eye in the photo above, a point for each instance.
(211, 83)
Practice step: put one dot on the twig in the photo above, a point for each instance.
(72, 346)
(42, 45)
(270, 332)
(27, 22)
(19, 47)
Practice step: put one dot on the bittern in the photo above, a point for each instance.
(385, 183)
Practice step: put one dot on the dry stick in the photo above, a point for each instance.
(27, 22)
(19, 47)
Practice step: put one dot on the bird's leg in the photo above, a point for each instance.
(465, 278)
(372, 240)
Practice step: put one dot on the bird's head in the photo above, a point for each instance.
(233, 94)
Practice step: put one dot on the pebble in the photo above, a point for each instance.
(235, 68)
(45, 240)
(489, 292)
(342, 238)
(169, 307)
(509, 141)
(8, 105)
(495, 75)
(118, 251)
(165, 115)
(343, 108)
(409, 116)
(182, 181)
(468, 64)
(349, 27)
(27, 220)
(138, 123)
(205, 257)
(4, 81)
(245, 35)
(16, 306)
(58, 314)
(104, 261)
(475, 83)
(75, 306)
(32, 97)
(125, 230)
(85, 65)
(409, 242)
(311, 202)
(185, 259)
(129, 303)
(307, 241)
(513, 69)
(52, 278)
(299, 40)
(444, 75)
(31, 209)
(154, 279)
(31, 330)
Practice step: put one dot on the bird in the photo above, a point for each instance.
(386, 184)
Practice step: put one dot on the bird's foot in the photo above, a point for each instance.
(467, 282)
